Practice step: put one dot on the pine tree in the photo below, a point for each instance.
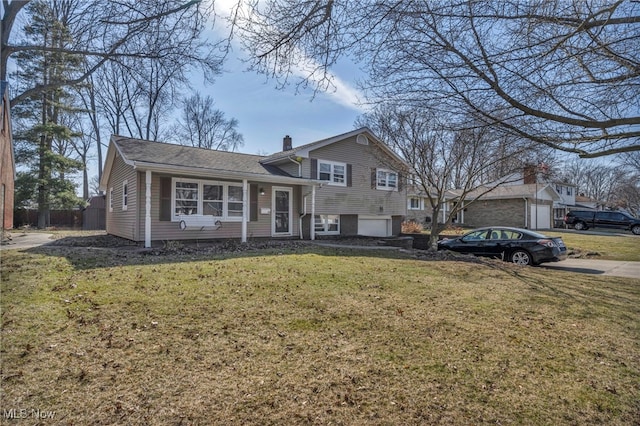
(41, 135)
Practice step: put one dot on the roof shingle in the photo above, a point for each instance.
(186, 156)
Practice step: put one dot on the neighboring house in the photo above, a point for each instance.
(7, 164)
(583, 202)
(419, 207)
(518, 200)
(523, 206)
(350, 184)
(567, 201)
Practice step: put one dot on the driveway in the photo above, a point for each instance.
(26, 240)
(599, 267)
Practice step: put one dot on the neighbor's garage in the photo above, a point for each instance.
(540, 216)
(374, 226)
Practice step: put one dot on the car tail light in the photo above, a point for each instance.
(547, 243)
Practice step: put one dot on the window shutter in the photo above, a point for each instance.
(400, 181)
(373, 178)
(314, 168)
(253, 203)
(165, 198)
(349, 180)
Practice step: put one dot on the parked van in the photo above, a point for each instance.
(585, 219)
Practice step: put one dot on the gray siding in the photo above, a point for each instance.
(166, 230)
(119, 222)
(290, 167)
(360, 198)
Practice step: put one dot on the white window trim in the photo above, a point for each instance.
(386, 186)
(200, 209)
(331, 180)
(325, 225)
(111, 199)
(125, 198)
(420, 203)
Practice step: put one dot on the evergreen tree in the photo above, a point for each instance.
(40, 132)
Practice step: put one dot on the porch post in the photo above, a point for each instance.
(312, 221)
(147, 211)
(245, 201)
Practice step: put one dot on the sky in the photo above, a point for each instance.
(267, 114)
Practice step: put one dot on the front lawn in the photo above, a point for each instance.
(312, 336)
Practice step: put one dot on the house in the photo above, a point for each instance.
(419, 207)
(522, 206)
(7, 164)
(567, 201)
(582, 202)
(349, 184)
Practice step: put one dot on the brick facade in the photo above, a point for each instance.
(7, 165)
(495, 212)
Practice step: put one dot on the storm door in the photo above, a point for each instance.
(281, 211)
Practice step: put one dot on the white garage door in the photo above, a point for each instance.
(374, 226)
(540, 216)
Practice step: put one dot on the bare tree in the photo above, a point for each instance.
(446, 155)
(612, 185)
(560, 73)
(203, 126)
(112, 31)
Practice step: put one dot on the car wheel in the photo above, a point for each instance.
(579, 226)
(636, 229)
(521, 257)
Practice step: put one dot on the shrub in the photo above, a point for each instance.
(411, 227)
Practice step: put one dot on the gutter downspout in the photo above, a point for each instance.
(312, 227)
(525, 212)
(299, 165)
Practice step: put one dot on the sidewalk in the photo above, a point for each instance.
(599, 267)
(21, 240)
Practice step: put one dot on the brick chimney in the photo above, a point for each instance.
(287, 144)
(530, 174)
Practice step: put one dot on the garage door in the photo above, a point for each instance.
(540, 216)
(374, 226)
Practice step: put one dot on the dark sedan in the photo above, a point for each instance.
(520, 246)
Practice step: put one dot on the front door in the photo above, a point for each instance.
(281, 211)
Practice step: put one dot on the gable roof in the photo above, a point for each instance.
(304, 150)
(179, 159)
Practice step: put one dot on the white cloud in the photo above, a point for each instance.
(341, 92)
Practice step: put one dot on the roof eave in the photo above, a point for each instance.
(218, 173)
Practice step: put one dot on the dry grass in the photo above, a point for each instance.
(625, 247)
(314, 336)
